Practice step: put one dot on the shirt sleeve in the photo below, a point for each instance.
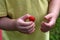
(3, 11)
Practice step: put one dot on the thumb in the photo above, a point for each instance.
(25, 17)
(21, 22)
(50, 24)
(48, 16)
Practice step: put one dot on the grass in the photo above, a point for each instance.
(55, 32)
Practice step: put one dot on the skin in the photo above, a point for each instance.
(29, 27)
(25, 27)
(51, 17)
(18, 24)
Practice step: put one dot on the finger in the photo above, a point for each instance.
(47, 17)
(44, 27)
(26, 27)
(52, 22)
(21, 22)
(29, 31)
(25, 17)
(26, 32)
(47, 26)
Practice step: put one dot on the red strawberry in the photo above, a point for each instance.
(32, 18)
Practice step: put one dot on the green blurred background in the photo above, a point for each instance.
(55, 32)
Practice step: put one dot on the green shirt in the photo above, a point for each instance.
(18, 8)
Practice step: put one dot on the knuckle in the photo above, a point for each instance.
(31, 29)
(32, 25)
(49, 26)
(45, 17)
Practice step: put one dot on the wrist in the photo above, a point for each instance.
(15, 23)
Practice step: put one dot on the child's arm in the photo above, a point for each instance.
(52, 15)
(18, 24)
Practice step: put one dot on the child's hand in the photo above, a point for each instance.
(25, 27)
(48, 24)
